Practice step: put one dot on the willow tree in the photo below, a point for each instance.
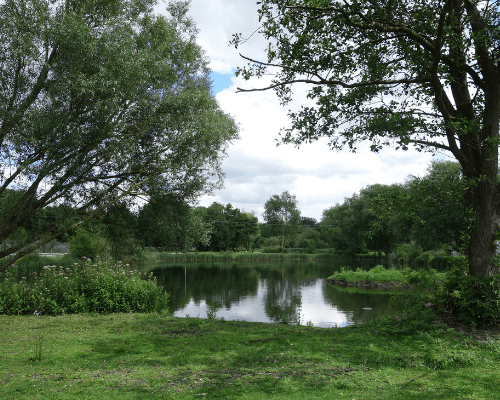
(99, 101)
(401, 73)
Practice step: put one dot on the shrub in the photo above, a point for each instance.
(406, 254)
(424, 278)
(470, 300)
(439, 262)
(84, 287)
(277, 249)
(84, 244)
(421, 261)
(416, 317)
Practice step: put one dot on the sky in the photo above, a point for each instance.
(256, 168)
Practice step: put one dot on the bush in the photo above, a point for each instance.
(424, 278)
(470, 300)
(415, 319)
(83, 244)
(276, 249)
(84, 287)
(439, 262)
(406, 254)
(421, 261)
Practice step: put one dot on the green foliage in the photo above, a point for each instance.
(277, 249)
(282, 216)
(470, 300)
(86, 244)
(376, 274)
(311, 248)
(230, 228)
(352, 226)
(415, 319)
(101, 101)
(396, 74)
(407, 254)
(166, 221)
(439, 262)
(82, 288)
(428, 210)
(425, 278)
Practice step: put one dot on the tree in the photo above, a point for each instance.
(219, 216)
(403, 73)
(351, 226)
(231, 228)
(282, 215)
(161, 222)
(100, 101)
(428, 210)
(247, 229)
(119, 229)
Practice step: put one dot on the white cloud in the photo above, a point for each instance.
(256, 169)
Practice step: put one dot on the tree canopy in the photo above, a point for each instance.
(282, 214)
(100, 101)
(396, 73)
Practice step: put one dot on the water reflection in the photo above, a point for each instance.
(293, 292)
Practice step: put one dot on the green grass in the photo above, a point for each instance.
(379, 274)
(139, 356)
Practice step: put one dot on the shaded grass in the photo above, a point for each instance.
(136, 356)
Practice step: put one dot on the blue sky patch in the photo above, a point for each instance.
(221, 81)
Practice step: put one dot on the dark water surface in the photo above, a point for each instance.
(293, 292)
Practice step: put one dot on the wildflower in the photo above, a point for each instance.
(36, 313)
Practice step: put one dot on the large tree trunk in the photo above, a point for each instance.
(483, 196)
(482, 244)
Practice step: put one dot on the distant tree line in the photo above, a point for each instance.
(427, 212)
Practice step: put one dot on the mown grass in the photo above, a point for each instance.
(138, 356)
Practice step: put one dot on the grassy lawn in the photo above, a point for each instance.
(139, 356)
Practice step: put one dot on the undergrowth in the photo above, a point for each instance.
(81, 288)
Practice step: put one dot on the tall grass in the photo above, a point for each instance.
(238, 256)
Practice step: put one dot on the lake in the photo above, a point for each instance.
(290, 292)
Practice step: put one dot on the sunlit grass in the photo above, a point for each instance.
(135, 356)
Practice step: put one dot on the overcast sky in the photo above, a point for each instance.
(255, 167)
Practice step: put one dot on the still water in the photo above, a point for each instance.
(292, 292)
